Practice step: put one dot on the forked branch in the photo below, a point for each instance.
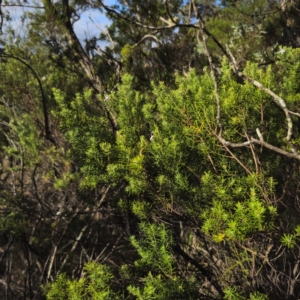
(276, 99)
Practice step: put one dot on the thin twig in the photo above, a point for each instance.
(253, 155)
(168, 11)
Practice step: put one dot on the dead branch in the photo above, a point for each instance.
(148, 36)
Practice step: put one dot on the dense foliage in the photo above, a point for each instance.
(165, 166)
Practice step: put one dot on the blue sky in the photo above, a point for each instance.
(90, 24)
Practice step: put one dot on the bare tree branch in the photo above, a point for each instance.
(259, 142)
(166, 2)
(277, 99)
(21, 5)
(44, 100)
(148, 36)
(170, 26)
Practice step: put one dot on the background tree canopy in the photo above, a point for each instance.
(163, 166)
